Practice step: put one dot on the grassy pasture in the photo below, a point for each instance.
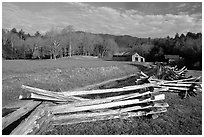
(61, 74)
(184, 117)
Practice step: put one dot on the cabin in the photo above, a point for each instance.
(128, 56)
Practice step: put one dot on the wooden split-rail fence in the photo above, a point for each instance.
(62, 108)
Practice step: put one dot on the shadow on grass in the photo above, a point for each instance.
(139, 66)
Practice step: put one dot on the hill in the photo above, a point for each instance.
(56, 44)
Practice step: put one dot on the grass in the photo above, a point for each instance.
(61, 74)
(184, 116)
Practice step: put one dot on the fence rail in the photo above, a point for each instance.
(60, 108)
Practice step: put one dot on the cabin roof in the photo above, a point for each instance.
(127, 53)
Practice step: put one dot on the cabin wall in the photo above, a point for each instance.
(122, 58)
(137, 58)
(133, 58)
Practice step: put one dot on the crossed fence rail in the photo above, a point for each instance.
(60, 108)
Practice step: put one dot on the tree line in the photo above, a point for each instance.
(57, 43)
(188, 47)
(54, 44)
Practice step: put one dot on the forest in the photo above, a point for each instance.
(57, 43)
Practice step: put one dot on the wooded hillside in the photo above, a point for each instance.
(66, 42)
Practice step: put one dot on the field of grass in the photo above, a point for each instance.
(61, 74)
(184, 116)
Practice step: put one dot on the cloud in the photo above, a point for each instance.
(100, 20)
(182, 5)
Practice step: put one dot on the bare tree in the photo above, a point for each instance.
(54, 38)
(109, 46)
(68, 30)
(5, 34)
(33, 45)
(15, 41)
(88, 44)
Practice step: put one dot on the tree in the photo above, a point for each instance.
(109, 47)
(191, 35)
(11, 44)
(77, 42)
(6, 45)
(21, 34)
(143, 49)
(16, 45)
(4, 36)
(69, 30)
(14, 39)
(199, 35)
(32, 45)
(86, 46)
(54, 39)
(7, 52)
(14, 30)
(98, 45)
(91, 42)
(182, 36)
(176, 36)
(37, 34)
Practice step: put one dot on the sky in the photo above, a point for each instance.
(140, 19)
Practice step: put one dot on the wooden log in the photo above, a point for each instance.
(10, 118)
(146, 76)
(79, 98)
(46, 98)
(176, 85)
(174, 81)
(114, 98)
(67, 108)
(109, 112)
(178, 88)
(102, 91)
(42, 124)
(178, 91)
(155, 105)
(65, 95)
(168, 84)
(155, 91)
(142, 80)
(182, 69)
(69, 96)
(108, 117)
(49, 94)
(174, 74)
(39, 97)
(181, 80)
(175, 67)
(31, 124)
(43, 92)
(110, 99)
(181, 72)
